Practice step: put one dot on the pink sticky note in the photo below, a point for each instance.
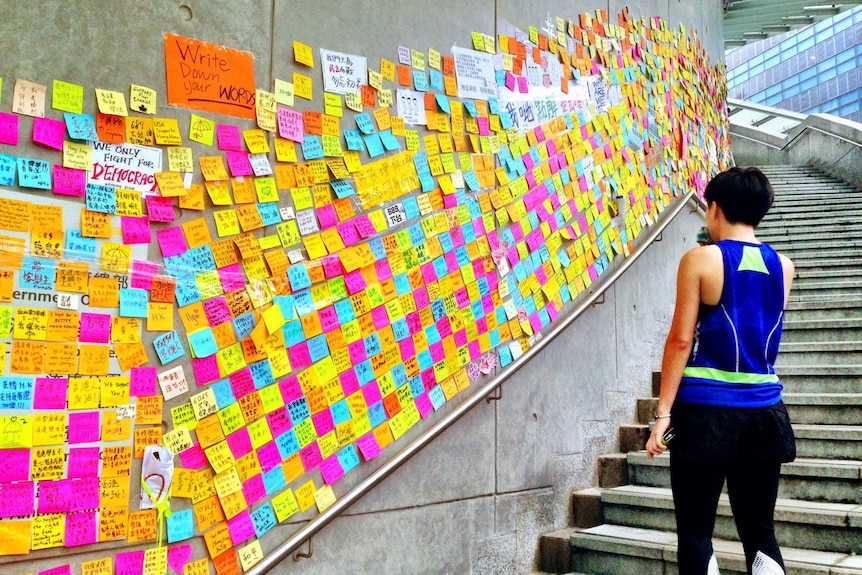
(172, 241)
(364, 226)
(380, 317)
(54, 496)
(143, 273)
(356, 349)
(290, 124)
(239, 164)
(15, 465)
(50, 393)
(239, 442)
(95, 328)
(83, 462)
(80, 528)
(49, 132)
(129, 563)
(254, 489)
(228, 137)
(354, 281)
(310, 456)
(143, 381)
(328, 319)
(206, 369)
(349, 381)
(332, 266)
(217, 310)
(368, 446)
(381, 267)
(232, 277)
(241, 382)
(160, 209)
(424, 405)
(83, 427)
(194, 457)
(408, 349)
(136, 231)
(290, 389)
(179, 555)
(511, 81)
(61, 570)
(323, 422)
(331, 469)
(17, 498)
(349, 234)
(279, 422)
(8, 129)
(523, 88)
(299, 355)
(241, 527)
(484, 126)
(69, 182)
(85, 493)
(326, 216)
(371, 391)
(268, 456)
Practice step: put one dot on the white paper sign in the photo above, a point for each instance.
(410, 105)
(475, 74)
(126, 166)
(343, 73)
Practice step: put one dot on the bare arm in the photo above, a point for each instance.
(679, 340)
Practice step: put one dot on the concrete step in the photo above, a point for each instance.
(812, 441)
(778, 237)
(821, 526)
(805, 479)
(823, 287)
(821, 378)
(819, 353)
(796, 331)
(811, 274)
(824, 408)
(620, 550)
(810, 308)
(818, 262)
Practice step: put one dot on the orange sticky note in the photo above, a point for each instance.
(15, 536)
(104, 292)
(171, 184)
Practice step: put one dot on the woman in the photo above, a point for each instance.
(719, 389)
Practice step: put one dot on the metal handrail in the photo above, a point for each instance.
(320, 521)
(802, 128)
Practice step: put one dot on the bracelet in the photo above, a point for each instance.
(665, 416)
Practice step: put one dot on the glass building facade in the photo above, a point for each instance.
(816, 69)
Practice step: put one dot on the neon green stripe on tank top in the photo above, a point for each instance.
(729, 376)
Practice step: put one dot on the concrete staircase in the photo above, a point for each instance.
(626, 525)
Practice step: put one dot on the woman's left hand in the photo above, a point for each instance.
(654, 446)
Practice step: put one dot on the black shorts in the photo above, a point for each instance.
(732, 434)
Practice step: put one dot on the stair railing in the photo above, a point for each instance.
(320, 521)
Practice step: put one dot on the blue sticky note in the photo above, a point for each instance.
(287, 442)
(244, 324)
(372, 345)
(342, 188)
(374, 145)
(269, 213)
(303, 302)
(340, 412)
(390, 142)
(353, 139)
(424, 360)
(436, 80)
(203, 342)
(376, 414)
(420, 81)
(317, 347)
(134, 302)
(470, 105)
(16, 392)
(223, 393)
(37, 273)
(82, 127)
(180, 525)
(261, 371)
(443, 103)
(348, 458)
(169, 347)
(186, 291)
(293, 333)
(263, 518)
(101, 199)
(364, 372)
(437, 397)
(273, 480)
(298, 277)
(344, 310)
(7, 170)
(312, 149)
(79, 248)
(364, 123)
(33, 173)
(411, 207)
(417, 387)
(505, 355)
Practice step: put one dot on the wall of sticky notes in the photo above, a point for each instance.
(277, 255)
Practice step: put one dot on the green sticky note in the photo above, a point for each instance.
(67, 97)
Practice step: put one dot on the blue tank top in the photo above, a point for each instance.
(736, 341)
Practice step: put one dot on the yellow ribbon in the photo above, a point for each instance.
(163, 510)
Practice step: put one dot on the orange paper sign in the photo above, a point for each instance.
(209, 77)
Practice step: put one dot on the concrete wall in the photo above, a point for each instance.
(475, 500)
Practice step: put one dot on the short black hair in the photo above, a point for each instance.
(744, 194)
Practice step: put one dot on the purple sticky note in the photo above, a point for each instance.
(8, 129)
(50, 393)
(83, 427)
(228, 137)
(95, 328)
(160, 209)
(172, 241)
(81, 528)
(290, 124)
(49, 132)
(84, 462)
(15, 465)
(331, 470)
(241, 527)
(69, 182)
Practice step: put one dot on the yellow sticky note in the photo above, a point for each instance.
(302, 198)
(18, 431)
(302, 86)
(110, 102)
(65, 96)
(167, 132)
(142, 99)
(201, 130)
(180, 159)
(303, 54)
(77, 156)
(283, 92)
(265, 100)
(353, 100)
(332, 105)
(250, 555)
(212, 168)
(305, 495)
(434, 59)
(256, 141)
(273, 318)
(324, 497)
(171, 184)
(227, 224)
